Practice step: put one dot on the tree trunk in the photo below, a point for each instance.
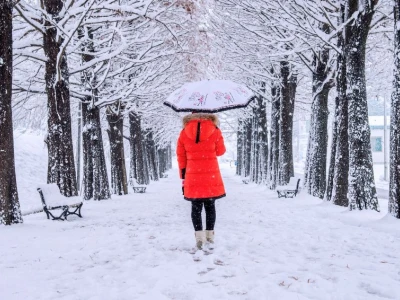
(152, 156)
(362, 190)
(288, 92)
(247, 147)
(331, 173)
(274, 148)
(239, 145)
(61, 165)
(394, 185)
(262, 128)
(253, 149)
(340, 149)
(164, 159)
(315, 173)
(119, 180)
(10, 212)
(137, 166)
(95, 178)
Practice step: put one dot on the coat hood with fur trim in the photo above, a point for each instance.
(200, 116)
(198, 127)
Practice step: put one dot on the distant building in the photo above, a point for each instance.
(376, 124)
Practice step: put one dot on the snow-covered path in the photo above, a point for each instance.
(136, 247)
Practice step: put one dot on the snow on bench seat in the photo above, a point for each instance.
(52, 199)
(289, 190)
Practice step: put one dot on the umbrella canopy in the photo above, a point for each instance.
(209, 96)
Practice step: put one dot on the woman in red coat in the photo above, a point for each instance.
(199, 144)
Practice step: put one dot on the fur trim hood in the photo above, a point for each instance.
(200, 116)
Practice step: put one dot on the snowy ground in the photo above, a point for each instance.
(136, 247)
(31, 168)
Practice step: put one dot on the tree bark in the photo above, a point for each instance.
(119, 180)
(394, 184)
(61, 164)
(315, 173)
(274, 147)
(331, 172)
(288, 92)
(240, 149)
(10, 212)
(152, 156)
(138, 174)
(262, 128)
(254, 157)
(340, 150)
(362, 190)
(95, 178)
(164, 159)
(248, 139)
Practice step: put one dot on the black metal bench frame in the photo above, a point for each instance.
(65, 209)
(139, 189)
(289, 193)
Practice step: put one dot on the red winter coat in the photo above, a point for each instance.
(199, 144)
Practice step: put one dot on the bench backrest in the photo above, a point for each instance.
(52, 198)
(50, 193)
(294, 182)
(298, 184)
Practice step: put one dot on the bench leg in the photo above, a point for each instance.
(65, 212)
(60, 217)
(290, 194)
(47, 213)
(77, 211)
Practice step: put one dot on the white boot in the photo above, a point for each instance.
(210, 236)
(200, 239)
(210, 239)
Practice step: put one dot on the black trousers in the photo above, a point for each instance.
(197, 207)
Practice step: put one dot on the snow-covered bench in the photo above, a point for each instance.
(290, 190)
(139, 189)
(52, 199)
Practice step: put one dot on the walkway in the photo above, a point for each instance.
(136, 247)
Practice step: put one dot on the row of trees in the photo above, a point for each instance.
(281, 43)
(115, 57)
(120, 58)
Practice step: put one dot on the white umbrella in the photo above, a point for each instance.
(209, 96)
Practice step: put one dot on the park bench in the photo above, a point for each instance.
(290, 190)
(139, 189)
(52, 199)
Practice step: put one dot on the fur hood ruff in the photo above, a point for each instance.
(200, 116)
